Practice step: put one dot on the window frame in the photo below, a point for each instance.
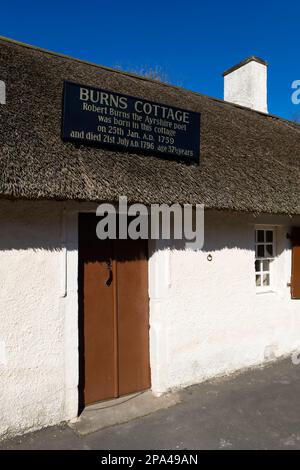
(266, 257)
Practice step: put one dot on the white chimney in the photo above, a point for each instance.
(246, 84)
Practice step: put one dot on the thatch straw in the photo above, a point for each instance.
(249, 161)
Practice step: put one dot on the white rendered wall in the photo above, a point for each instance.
(247, 86)
(38, 333)
(205, 317)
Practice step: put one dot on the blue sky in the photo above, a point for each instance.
(193, 42)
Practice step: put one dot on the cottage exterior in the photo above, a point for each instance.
(211, 311)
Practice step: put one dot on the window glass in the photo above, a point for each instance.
(266, 265)
(260, 236)
(269, 236)
(266, 280)
(269, 250)
(260, 251)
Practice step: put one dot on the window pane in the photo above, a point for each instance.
(269, 250)
(266, 265)
(258, 280)
(260, 235)
(257, 265)
(269, 236)
(260, 251)
(266, 279)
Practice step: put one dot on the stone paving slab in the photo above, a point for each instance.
(121, 410)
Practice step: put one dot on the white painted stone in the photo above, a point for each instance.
(210, 319)
(35, 389)
(3, 356)
(205, 317)
(247, 86)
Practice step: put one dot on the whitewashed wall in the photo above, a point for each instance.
(205, 317)
(38, 386)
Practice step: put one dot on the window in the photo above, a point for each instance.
(264, 256)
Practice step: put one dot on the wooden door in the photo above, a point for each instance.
(133, 321)
(114, 315)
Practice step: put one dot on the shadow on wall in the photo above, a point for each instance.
(41, 225)
(35, 225)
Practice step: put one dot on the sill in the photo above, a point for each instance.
(267, 291)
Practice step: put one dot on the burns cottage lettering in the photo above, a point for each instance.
(104, 118)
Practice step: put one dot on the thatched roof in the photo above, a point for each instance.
(249, 161)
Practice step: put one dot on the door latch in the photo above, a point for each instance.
(110, 273)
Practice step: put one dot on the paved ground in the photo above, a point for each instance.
(259, 409)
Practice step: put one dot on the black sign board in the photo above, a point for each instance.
(107, 119)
